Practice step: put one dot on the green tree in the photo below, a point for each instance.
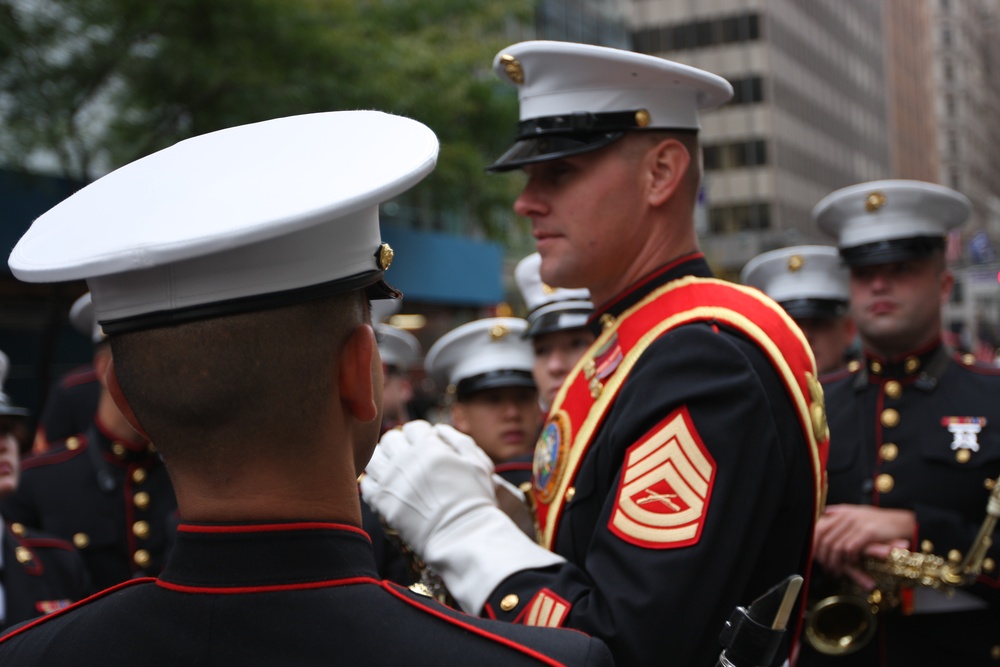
(99, 83)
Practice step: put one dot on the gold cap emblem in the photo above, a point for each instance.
(512, 68)
(548, 289)
(498, 331)
(642, 118)
(796, 262)
(874, 201)
(384, 256)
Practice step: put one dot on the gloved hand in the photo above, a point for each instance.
(435, 486)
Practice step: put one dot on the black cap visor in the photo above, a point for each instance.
(819, 309)
(371, 282)
(492, 380)
(551, 147)
(892, 250)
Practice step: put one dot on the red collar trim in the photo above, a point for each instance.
(270, 527)
(241, 590)
(669, 266)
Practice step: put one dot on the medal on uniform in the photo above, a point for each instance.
(964, 431)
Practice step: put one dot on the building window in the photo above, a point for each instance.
(749, 90)
(946, 38)
(738, 218)
(751, 153)
(743, 27)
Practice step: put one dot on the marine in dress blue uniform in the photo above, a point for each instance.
(73, 398)
(240, 270)
(38, 573)
(557, 326)
(915, 430)
(109, 497)
(679, 472)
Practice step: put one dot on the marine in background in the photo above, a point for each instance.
(810, 284)
(557, 327)
(39, 573)
(914, 433)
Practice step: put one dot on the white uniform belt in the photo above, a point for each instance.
(930, 601)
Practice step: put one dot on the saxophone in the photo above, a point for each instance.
(843, 624)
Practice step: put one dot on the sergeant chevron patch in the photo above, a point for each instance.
(665, 487)
(546, 610)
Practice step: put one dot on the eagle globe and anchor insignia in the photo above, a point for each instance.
(550, 456)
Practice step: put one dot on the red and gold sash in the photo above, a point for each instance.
(593, 384)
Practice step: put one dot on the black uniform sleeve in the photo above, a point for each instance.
(659, 599)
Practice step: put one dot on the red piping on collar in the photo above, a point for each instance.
(241, 590)
(605, 307)
(270, 527)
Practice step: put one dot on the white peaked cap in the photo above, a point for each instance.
(550, 308)
(396, 346)
(249, 217)
(810, 281)
(81, 316)
(579, 97)
(884, 221)
(482, 354)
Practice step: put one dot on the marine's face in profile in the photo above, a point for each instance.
(585, 212)
(9, 457)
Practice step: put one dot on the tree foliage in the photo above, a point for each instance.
(99, 83)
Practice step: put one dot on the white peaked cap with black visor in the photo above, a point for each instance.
(576, 98)
(808, 281)
(550, 308)
(482, 354)
(890, 221)
(242, 219)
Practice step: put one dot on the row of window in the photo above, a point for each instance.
(752, 153)
(741, 217)
(698, 34)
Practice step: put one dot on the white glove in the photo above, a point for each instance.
(435, 486)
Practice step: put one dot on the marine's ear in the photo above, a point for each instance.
(110, 380)
(358, 371)
(667, 163)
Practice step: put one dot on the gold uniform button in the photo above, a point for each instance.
(989, 564)
(854, 365)
(141, 529)
(955, 556)
(968, 359)
(22, 554)
(141, 558)
(875, 367)
(17, 529)
(509, 602)
(81, 540)
(927, 546)
(151, 448)
(963, 455)
(141, 500)
(890, 418)
(893, 389)
(911, 365)
(889, 451)
(884, 483)
(72, 444)
(139, 475)
(570, 492)
(118, 449)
